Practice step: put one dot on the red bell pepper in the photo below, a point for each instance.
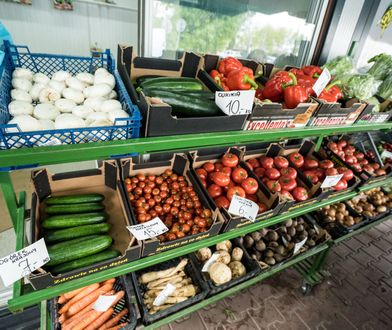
(217, 76)
(240, 80)
(294, 94)
(259, 94)
(307, 82)
(229, 64)
(297, 71)
(331, 93)
(273, 89)
(311, 70)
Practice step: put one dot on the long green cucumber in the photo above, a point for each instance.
(173, 83)
(142, 79)
(74, 232)
(74, 199)
(75, 249)
(86, 261)
(74, 208)
(187, 106)
(73, 220)
(60, 245)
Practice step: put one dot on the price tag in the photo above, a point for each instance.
(331, 180)
(284, 241)
(322, 82)
(235, 103)
(386, 154)
(103, 303)
(51, 142)
(297, 246)
(243, 207)
(164, 294)
(209, 262)
(23, 262)
(149, 229)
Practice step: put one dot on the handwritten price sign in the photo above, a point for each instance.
(243, 207)
(235, 103)
(149, 229)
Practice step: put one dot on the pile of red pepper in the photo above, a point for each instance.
(232, 75)
(296, 86)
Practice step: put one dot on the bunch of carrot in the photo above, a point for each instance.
(77, 311)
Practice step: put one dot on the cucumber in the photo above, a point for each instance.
(76, 249)
(61, 245)
(74, 199)
(173, 83)
(142, 79)
(73, 220)
(198, 94)
(74, 208)
(74, 232)
(86, 261)
(187, 106)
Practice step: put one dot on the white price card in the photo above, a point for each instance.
(322, 82)
(149, 229)
(23, 262)
(103, 303)
(297, 246)
(331, 180)
(164, 294)
(243, 207)
(235, 103)
(209, 262)
(386, 154)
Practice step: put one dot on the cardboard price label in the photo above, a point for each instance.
(386, 154)
(322, 82)
(149, 229)
(209, 262)
(244, 208)
(103, 303)
(23, 262)
(164, 294)
(235, 103)
(297, 246)
(331, 180)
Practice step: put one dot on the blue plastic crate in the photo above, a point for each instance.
(20, 56)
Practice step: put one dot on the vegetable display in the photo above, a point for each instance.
(384, 148)
(63, 101)
(76, 310)
(170, 197)
(76, 232)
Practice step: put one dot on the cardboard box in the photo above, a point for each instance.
(102, 181)
(264, 195)
(264, 115)
(180, 165)
(157, 118)
(368, 116)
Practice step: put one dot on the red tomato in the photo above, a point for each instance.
(347, 174)
(357, 167)
(204, 183)
(250, 186)
(259, 171)
(349, 150)
(287, 183)
(202, 173)
(349, 159)
(286, 194)
(333, 146)
(342, 184)
(296, 159)
(376, 166)
(281, 162)
(226, 170)
(310, 163)
(266, 162)
(214, 190)
(320, 173)
(250, 166)
(239, 174)
(253, 162)
(300, 194)
(262, 208)
(273, 186)
(359, 155)
(331, 171)
(380, 171)
(311, 175)
(272, 173)
(324, 164)
(289, 172)
(222, 201)
(218, 167)
(342, 143)
(220, 179)
(363, 162)
(209, 167)
(235, 191)
(231, 184)
(368, 168)
(230, 160)
(253, 198)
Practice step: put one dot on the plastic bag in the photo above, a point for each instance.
(375, 102)
(361, 86)
(385, 89)
(382, 66)
(340, 65)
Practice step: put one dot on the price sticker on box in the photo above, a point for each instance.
(164, 294)
(209, 262)
(23, 262)
(331, 180)
(322, 82)
(386, 154)
(297, 246)
(235, 103)
(244, 208)
(149, 229)
(103, 303)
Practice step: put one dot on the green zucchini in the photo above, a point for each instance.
(187, 106)
(86, 261)
(76, 249)
(74, 232)
(173, 83)
(74, 208)
(142, 79)
(198, 94)
(74, 199)
(73, 220)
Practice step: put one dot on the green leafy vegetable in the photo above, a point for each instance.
(340, 65)
(385, 89)
(361, 86)
(382, 66)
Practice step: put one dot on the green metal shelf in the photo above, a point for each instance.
(102, 150)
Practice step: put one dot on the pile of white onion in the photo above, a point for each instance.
(63, 101)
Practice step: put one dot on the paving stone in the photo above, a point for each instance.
(383, 265)
(384, 292)
(346, 293)
(339, 321)
(383, 244)
(350, 265)
(388, 256)
(388, 224)
(371, 303)
(266, 314)
(192, 322)
(384, 228)
(373, 251)
(353, 244)
(364, 238)
(242, 301)
(387, 281)
(342, 250)
(292, 322)
(216, 314)
(372, 274)
(359, 282)
(245, 323)
(374, 233)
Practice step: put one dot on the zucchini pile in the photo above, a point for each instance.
(76, 232)
(185, 95)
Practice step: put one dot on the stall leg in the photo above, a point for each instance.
(9, 196)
